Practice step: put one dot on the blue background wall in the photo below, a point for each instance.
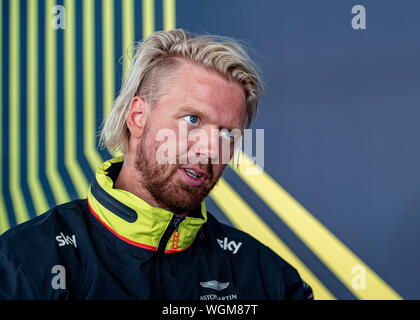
(341, 117)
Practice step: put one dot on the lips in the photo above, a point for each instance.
(193, 176)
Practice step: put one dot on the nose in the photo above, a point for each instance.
(206, 145)
(213, 145)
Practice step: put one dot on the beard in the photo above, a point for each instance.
(161, 180)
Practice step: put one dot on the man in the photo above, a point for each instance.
(144, 232)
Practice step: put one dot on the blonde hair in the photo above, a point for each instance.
(159, 54)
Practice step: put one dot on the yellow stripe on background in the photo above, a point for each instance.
(128, 33)
(89, 102)
(21, 211)
(330, 250)
(245, 219)
(4, 220)
(148, 9)
(108, 51)
(35, 187)
(54, 178)
(169, 14)
(72, 164)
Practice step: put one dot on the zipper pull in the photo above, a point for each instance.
(177, 221)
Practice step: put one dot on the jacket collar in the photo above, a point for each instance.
(132, 219)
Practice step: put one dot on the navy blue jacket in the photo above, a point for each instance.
(104, 248)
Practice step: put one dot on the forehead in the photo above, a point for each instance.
(221, 101)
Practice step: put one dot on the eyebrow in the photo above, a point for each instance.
(196, 111)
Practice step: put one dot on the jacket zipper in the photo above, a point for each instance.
(173, 226)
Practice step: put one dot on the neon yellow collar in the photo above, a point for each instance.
(132, 219)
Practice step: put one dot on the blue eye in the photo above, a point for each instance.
(192, 119)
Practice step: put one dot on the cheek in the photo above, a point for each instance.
(226, 150)
(218, 170)
(164, 144)
(149, 141)
(150, 146)
(183, 145)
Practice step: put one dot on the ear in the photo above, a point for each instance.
(137, 116)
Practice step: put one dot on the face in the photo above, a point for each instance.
(204, 104)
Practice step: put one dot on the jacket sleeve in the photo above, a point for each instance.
(284, 281)
(11, 277)
(20, 277)
(297, 289)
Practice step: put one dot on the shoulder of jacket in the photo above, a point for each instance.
(28, 253)
(227, 233)
(264, 252)
(280, 278)
(34, 230)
